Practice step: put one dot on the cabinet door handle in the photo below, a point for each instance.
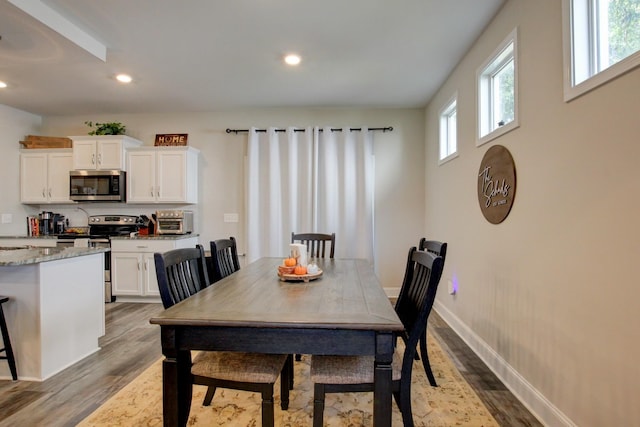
(49, 192)
(142, 247)
(158, 192)
(138, 265)
(152, 191)
(100, 158)
(44, 192)
(93, 159)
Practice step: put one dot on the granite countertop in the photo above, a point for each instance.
(136, 237)
(34, 255)
(155, 237)
(50, 236)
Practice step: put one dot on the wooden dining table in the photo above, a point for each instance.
(344, 311)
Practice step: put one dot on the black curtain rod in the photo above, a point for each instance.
(237, 131)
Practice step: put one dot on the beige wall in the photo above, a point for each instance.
(399, 198)
(14, 126)
(549, 298)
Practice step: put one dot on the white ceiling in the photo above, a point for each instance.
(207, 55)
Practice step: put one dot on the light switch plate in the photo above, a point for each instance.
(231, 217)
(450, 287)
(7, 218)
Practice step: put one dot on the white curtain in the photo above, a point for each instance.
(309, 181)
(345, 190)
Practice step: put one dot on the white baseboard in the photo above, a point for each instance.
(392, 292)
(531, 398)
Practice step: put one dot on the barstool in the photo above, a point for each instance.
(8, 351)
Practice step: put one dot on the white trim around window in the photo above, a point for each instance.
(488, 93)
(581, 71)
(448, 141)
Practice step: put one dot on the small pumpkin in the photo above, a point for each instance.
(300, 270)
(290, 262)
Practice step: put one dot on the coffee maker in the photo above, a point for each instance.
(51, 223)
(59, 224)
(45, 218)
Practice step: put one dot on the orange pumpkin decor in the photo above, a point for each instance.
(300, 270)
(290, 262)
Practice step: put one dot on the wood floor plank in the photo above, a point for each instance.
(502, 404)
(131, 345)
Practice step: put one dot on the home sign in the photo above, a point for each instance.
(496, 184)
(174, 139)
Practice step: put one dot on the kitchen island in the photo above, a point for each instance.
(56, 312)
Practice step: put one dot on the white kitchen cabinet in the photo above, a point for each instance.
(133, 274)
(104, 152)
(44, 176)
(162, 175)
(133, 271)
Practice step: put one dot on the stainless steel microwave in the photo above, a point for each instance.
(98, 185)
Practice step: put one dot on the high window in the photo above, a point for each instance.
(601, 41)
(448, 131)
(498, 91)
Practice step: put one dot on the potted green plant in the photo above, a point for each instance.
(112, 128)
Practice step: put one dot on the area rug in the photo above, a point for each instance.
(452, 403)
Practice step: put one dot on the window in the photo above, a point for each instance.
(498, 91)
(601, 42)
(448, 131)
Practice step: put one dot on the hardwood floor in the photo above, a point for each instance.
(132, 344)
(502, 404)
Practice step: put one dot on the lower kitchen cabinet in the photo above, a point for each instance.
(133, 271)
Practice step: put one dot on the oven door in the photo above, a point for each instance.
(170, 226)
(97, 186)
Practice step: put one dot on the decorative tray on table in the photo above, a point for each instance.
(299, 277)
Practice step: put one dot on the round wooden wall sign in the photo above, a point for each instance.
(496, 184)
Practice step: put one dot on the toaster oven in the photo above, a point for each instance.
(174, 222)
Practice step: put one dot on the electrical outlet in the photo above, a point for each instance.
(7, 218)
(451, 288)
(231, 217)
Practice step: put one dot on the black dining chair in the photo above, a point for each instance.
(316, 247)
(439, 249)
(340, 374)
(6, 341)
(224, 258)
(182, 273)
(435, 247)
(316, 243)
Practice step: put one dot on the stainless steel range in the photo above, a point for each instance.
(101, 229)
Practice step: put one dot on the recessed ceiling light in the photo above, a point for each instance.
(124, 78)
(292, 59)
(2, 85)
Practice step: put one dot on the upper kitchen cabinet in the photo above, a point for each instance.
(104, 152)
(44, 176)
(162, 175)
